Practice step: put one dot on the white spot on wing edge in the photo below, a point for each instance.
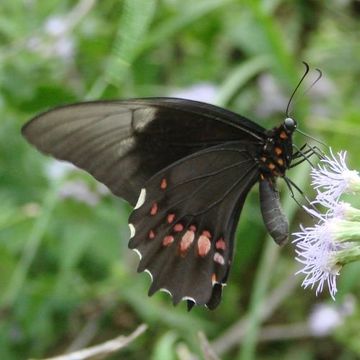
(132, 230)
(188, 298)
(138, 252)
(150, 274)
(166, 291)
(141, 199)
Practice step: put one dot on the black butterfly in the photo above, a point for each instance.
(186, 167)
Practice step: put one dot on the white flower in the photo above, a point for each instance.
(80, 191)
(332, 178)
(316, 249)
(55, 40)
(57, 170)
(205, 92)
(326, 247)
(56, 26)
(324, 319)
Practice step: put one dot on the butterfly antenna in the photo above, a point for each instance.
(311, 137)
(307, 68)
(320, 74)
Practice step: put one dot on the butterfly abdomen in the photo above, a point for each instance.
(275, 221)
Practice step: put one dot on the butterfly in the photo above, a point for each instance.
(187, 168)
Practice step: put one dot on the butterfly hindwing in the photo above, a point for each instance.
(124, 143)
(184, 223)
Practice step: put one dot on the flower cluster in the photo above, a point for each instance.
(326, 247)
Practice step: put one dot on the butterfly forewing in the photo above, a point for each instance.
(124, 143)
(183, 226)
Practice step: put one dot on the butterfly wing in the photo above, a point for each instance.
(184, 222)
(124, 143)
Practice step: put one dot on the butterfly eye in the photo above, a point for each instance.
(290, 124)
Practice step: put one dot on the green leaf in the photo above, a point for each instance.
(164, 348)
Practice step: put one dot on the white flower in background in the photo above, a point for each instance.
(57, 170)
(55, 26)
(325, 248)
(56, 42)
(205, 92)
(325, 318)
(80, 191)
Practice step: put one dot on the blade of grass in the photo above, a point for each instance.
(31, 247)
(239, 77)
(127, 49)
(134, 25)
(173, 25)
(282, 58)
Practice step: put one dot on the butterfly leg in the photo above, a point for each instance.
(290, 184)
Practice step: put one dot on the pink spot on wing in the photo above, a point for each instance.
(154, 209)
(170, 218)
(218, 258)
(192, 228)
(220, 244)
(163, 184)
(207, 234)
(204, 245)
(178, 227)
(169, 239)
(151, 234)
(186, 240)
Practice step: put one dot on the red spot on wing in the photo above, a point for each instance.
(163, 184)
(192, 227)
(186, 241)
(204, 245)
(154, 209)
(170, 218)
(169, 239)
(178, 227)
(151, 234)
(207, 234)
(220, 244)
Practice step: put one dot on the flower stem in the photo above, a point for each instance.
(345, 230)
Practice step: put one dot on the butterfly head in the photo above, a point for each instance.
(289, 125)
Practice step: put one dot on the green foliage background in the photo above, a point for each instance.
(66, 275)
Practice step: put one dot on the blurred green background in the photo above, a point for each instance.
(67, 278)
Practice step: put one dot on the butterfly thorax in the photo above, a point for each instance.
(276, 155)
